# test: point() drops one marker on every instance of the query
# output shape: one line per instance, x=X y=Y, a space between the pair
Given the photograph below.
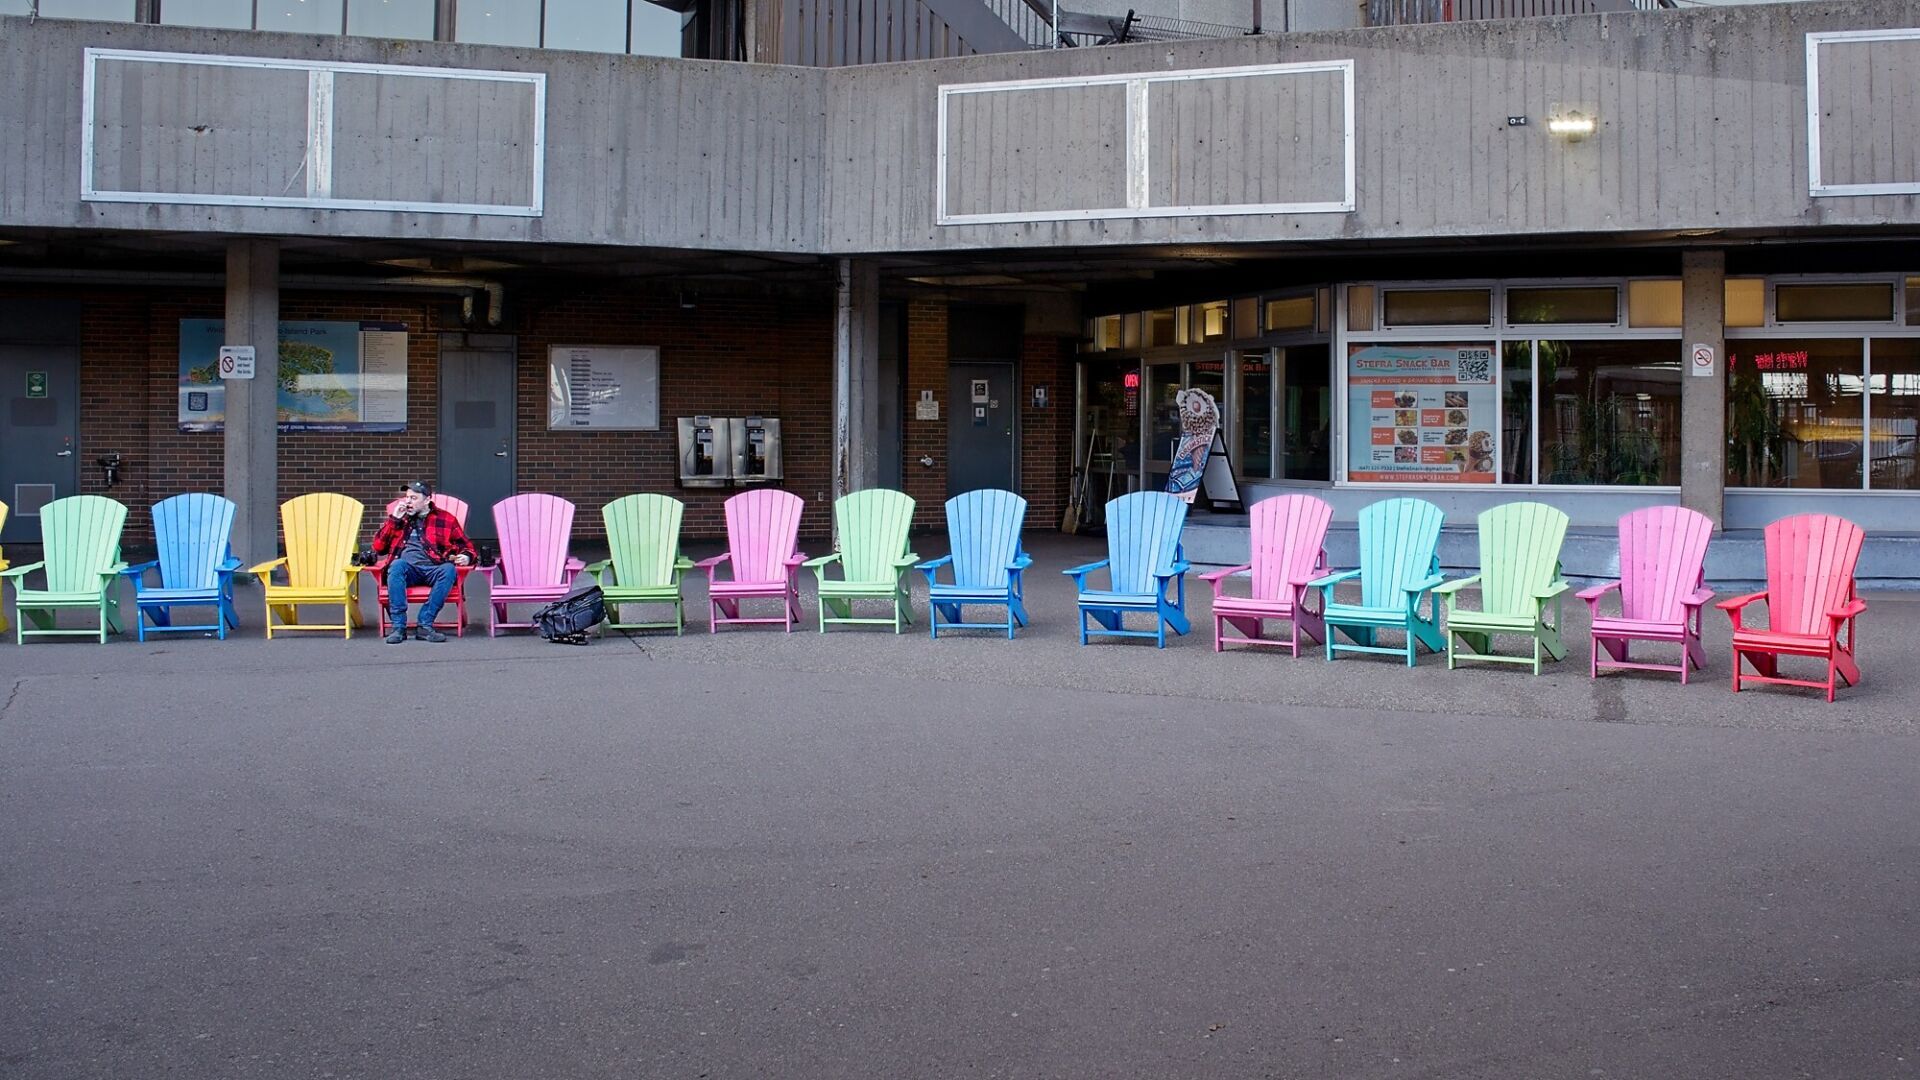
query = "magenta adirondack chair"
x=1811 y=606
x=1662 y=587
x=763 y=530
x=534 y=566
x=1289 y=535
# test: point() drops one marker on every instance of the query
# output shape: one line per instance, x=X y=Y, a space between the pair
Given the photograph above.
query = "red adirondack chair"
x=1288 y=536
x=417 y=594
x=1662 y=587
x=1811 y=606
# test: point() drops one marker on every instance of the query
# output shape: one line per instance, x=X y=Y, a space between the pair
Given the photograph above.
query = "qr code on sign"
x=1474 y=366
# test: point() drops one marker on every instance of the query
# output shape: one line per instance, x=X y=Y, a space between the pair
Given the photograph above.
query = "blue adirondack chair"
x=196 y=565
x=1146 y=569
x=983 y=529
x=1399 y=568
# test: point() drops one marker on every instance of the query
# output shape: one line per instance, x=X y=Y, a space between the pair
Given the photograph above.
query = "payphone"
x=756 y=449
x=706 y=455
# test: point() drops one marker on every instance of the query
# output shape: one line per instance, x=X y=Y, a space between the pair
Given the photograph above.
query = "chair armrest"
x=1083 y=571
x=486 y=572
x=709 y=564
x=1215 y=577
x=266 y=568
x=905 y=562
x=139 y=570
x=228 y=565
x=595 y=568
x=1430 y=583
x=1558 y=588
x=935 y=564
x=796 y=560
x=113 y=571
x=1697 y=598
x=816 y=565
x=574 y=565
x=1021 y=562
x=1848 y=610
x=22 y=571
x=1331 y=580
x=1178 y=569
x=681 y=562
x=1592 y=595
x=1456 y=585
x=1739 y=602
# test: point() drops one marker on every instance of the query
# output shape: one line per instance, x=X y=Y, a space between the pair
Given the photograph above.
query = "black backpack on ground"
x=569 y=618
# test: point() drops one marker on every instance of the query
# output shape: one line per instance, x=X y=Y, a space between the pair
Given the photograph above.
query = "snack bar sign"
x=1422 y=414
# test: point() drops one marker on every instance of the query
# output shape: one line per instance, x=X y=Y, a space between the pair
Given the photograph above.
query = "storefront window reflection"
x=1111 y=428
x=1516 y=413
x=1794 y=413
x=301 y=16
x=1895 y=387
x=220 y=14
x=1609 y=412
x=1307 y=414
x=1255 y=415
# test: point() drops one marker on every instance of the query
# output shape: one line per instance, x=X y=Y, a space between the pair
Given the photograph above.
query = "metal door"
x=40 y=391
x=476 y=423
x=981 y=427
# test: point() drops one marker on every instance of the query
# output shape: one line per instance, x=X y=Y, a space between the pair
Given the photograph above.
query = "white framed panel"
x=315 y=137
x=1875 y=91
x=1147 y=191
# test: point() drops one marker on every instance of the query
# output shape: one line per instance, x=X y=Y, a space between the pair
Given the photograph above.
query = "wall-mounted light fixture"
x=1571 y=125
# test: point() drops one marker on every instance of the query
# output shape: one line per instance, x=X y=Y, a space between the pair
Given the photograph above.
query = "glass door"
x=1306 y=413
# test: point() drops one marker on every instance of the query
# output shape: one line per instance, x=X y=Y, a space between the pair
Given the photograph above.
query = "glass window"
x=1609 y=412
x=1653 y=304
x=1586 y=304
x=1213 y=321
x=1246 y=318
x=1833 y=303
x=587 y=25
x=1516 y=412
x=1746 y=302
x=103 y=10
x=497 y=22
x=1439 y=307
x=408 y=20
x=221 y=14
x=300 y=16
x=1112 y=429
x=1323 y=310
x=1359 y=307
x=1794 y=412
x=1106 y=333
x=1913 y=301
x=1160 y=326
x=1292 y=313
x=656 y=30
x=1130 y=331
x=1306 y=413
x=1895 y=455
x=1255 y=417
x=1163 y=422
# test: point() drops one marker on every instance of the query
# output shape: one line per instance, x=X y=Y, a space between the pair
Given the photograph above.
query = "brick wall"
x=926 y=369
x=1046 y=434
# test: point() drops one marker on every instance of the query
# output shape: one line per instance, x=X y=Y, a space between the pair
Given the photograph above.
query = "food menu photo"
x=1422 y=413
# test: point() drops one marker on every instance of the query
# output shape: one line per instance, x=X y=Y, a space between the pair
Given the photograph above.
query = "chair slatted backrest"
x=763 y=532
x=1810 y=563
x=321 y=531
x=3 y=525
x=1143 y=536
x=1399 y=539
x=1663 y=558
x=643 y=538
x=194 y=534
x=456 y=507
x=80 y=536
x=1287 y=533
x=535 y=531
x=983 y=533
x=873 y=526
x=1520 y=546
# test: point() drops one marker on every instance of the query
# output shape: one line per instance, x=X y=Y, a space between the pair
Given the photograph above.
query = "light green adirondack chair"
x=873 y=558
x=1519 y=575
x=80 y=537
x=643 y=541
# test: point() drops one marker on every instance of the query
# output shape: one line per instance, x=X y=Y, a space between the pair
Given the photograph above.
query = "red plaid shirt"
x=442 y=535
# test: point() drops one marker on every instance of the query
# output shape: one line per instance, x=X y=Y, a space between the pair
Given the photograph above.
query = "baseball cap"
x=420 y=486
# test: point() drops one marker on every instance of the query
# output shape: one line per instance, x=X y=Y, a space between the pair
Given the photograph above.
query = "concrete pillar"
x=1703 y=399
x=252 y=414
x=856 y=377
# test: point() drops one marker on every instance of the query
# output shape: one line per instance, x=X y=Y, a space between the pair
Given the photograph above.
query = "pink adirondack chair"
x=763 y=529
x=1662 y=587
x=1810 y=602
x=417 y=594
x=534 y=566
x=1289 y=535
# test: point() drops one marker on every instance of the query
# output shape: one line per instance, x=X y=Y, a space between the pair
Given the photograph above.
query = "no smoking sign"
x=236 y=361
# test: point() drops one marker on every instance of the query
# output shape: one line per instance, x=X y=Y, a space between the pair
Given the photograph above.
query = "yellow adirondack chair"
x=320 y=531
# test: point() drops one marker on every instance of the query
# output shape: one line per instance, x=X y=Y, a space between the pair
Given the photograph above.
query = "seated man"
x=428 y=543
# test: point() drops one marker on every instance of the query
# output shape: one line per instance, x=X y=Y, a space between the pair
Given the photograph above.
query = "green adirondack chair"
x=644 y=567
x=873 y=558
x=80 y=537
x=1519 y=576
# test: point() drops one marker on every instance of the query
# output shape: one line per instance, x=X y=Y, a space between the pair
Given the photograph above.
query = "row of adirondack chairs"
x=1811 y=601
x=1810 y=597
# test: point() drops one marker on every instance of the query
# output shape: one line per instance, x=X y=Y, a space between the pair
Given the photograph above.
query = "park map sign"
x=333 y=376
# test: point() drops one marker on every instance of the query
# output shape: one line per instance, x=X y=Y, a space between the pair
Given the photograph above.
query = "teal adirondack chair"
x=1519 y=575
x=873 y=558
x=644 y=563
x=80 y=537
x=196 y=566
x=1399 y=568
x=1146 y=569
x=983 y=534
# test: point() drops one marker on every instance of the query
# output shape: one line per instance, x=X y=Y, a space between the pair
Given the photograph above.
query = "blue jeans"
x=401 y=574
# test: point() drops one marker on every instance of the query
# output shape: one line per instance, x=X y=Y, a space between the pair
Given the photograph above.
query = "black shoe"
x=397 y=635
x=430 y=632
